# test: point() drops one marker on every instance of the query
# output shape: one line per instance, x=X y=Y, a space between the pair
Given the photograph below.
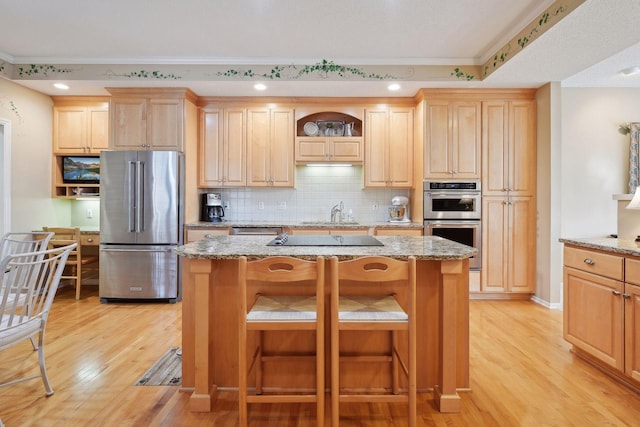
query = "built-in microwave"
x=452 y=200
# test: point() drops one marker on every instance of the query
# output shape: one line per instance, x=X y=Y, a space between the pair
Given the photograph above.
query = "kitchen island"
x=210 y=316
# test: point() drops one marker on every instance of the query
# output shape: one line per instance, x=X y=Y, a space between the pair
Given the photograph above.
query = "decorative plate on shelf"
x=311 y=128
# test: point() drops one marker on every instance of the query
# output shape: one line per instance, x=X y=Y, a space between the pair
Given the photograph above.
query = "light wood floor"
x=522 y=374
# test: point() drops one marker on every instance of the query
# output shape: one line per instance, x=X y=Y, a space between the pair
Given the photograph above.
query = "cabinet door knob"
x=89 y=239
x=616 y=293
x=589 y=261
x=626 y=296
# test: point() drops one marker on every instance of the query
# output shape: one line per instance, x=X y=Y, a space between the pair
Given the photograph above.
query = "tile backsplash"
x=317 y=190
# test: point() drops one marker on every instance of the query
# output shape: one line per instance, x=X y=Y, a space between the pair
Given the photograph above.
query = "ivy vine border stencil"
x=323 y=69
x=41 y=69
x=546 y=20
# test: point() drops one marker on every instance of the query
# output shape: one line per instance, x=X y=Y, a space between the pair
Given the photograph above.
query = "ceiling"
x=588 y=47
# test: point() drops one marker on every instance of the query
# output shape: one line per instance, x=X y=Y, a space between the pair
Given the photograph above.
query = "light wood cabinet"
x=389 y=147
x=452 y=139
x=508 y=244
x=509 y=148
x=632 y=331
x=602 y=309
x=315 y=231
x=149 y=119
x=80 y=125
x=329 y=149
x=222 y=147
x=593 y=304
x=395 y=231
x=270 y=148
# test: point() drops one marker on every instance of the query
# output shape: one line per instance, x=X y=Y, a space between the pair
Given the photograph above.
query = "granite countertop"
x=305 y=224
x=89 y=230
x=611 y=244
x=400 y=247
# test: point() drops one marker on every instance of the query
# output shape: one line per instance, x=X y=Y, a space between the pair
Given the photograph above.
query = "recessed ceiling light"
x=61 y=86
x=631 y=70
x=260 y=86
x=393 y=86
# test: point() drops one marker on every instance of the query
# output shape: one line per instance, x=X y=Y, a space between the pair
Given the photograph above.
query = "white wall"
x=31 y=115
x=594 y=157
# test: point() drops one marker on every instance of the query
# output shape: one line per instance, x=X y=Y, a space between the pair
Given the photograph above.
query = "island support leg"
x=446 y=394
x=205 y=392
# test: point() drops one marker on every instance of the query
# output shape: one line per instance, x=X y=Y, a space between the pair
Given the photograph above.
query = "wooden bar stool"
x=383 y=301
x=276 y=295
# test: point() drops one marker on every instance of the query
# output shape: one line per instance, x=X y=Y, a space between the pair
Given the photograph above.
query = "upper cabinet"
x=151 y=119
x=222 y=147
x=509 y=148
x=270 y=147
x=452 y=139
x=389 y=137
x=80 y=125
x=329 y=136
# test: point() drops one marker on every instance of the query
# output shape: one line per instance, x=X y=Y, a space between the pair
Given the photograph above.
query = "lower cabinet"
x=602 y=309
x=508 y=244
x=398 y=231
x=315 y=231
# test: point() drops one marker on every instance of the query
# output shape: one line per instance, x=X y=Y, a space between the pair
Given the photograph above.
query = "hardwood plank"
x=522 y=374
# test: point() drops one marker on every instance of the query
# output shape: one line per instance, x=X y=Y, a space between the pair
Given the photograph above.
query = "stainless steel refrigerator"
x=141 y=222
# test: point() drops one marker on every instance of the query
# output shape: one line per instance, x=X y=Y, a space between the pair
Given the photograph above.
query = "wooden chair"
x=37 y=275
x=65 y=236
x=301 y=308
x=384 y=301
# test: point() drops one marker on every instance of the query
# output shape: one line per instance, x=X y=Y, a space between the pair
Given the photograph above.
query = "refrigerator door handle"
x=138 y=250
x=131 y=195
x=139 y=197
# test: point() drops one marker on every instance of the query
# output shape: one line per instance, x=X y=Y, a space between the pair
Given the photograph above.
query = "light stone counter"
x=619 y=246
x=305 y=224
x=400 y=247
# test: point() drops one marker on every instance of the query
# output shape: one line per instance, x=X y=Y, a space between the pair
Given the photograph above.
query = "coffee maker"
x=398 y=212
x=211 y=207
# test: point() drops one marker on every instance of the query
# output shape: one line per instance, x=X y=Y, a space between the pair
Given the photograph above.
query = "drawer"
x=632 y=271
x=603 y=264
x=199 y=234
x=90 y=239
x=398 y=232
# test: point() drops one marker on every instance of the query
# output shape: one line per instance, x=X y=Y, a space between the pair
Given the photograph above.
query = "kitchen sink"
x=329 y=223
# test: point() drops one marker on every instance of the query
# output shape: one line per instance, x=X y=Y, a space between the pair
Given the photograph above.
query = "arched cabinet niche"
x=329 y=136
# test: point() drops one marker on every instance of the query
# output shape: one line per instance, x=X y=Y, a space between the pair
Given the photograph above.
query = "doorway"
x=5 y=175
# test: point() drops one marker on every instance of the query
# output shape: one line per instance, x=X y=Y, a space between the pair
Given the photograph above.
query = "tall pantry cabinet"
x=508 y=196
x=490 y=135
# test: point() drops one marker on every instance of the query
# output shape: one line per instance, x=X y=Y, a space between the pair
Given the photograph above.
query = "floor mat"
x=166 y=371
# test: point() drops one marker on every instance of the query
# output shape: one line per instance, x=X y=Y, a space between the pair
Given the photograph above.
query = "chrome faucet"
x=336 y=211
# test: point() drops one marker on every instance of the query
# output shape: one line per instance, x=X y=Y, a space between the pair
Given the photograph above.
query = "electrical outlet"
x=261 y=206
x=226 y=205
x=89 y=213
x=282 y=206
x=374 y=207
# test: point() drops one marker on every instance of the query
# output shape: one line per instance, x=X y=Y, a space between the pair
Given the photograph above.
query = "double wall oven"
x=453 y=210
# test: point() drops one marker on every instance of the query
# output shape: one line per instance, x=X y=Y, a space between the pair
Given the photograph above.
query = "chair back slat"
x=35 y=276
x=16 y=243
